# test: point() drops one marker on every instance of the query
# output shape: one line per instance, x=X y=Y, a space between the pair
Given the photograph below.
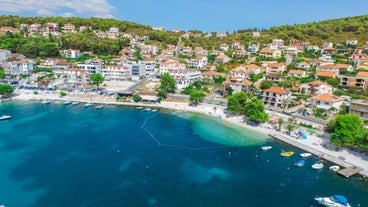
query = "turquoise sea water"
x=55 y=155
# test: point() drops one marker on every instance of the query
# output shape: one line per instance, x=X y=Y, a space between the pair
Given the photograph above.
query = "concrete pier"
x=349 y=170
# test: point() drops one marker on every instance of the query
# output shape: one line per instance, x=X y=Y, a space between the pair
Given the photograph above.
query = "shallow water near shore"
x=57 y=155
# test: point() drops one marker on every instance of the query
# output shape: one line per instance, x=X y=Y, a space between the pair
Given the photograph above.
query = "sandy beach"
x=319 y=146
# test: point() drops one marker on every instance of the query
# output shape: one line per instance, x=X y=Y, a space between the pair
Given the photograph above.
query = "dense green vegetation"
x=347 y=130
x=97 y=79
x=6 y=89
x=252 y=107
x=168 y=83
x=335 y=30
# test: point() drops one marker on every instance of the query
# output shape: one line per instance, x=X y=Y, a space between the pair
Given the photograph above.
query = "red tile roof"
x=325 y=74
x=277 y=90
x=327 y=98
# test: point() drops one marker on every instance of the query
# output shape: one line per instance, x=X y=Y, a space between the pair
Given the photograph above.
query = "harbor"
x=349 y=170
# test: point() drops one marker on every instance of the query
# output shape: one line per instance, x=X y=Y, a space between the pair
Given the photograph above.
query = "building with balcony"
x=316 y=88
x=116 y=73
x=75 y=76
x=360 y=108
x=276 y=97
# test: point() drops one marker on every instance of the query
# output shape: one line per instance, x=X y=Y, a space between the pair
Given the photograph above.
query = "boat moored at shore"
x=287 y=154
x=318 y=165
x=265 y=148
x=305 y=155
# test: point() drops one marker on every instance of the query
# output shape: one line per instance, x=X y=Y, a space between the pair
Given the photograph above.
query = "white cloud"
x=67 y=14
x=44 y=12
x=96 y=8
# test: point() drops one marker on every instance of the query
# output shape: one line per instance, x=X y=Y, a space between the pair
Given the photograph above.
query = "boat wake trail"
x=176 y=146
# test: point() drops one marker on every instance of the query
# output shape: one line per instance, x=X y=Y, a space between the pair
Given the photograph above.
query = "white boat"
x=99 y=107
x=318 y=165
x=154 y=110
x=75 y=103
x=304 y=155
x=5 y=117
x=333 y=201
x=88 y=104
x=46 y=102
x=334 y=168
x=147 y=109
x=265 y=148
x=139 y=107
x=67 y=102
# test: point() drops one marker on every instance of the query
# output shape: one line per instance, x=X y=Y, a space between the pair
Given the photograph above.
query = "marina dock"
x=349 y=169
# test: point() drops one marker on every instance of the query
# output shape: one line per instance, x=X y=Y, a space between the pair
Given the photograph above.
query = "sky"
x=204 y=15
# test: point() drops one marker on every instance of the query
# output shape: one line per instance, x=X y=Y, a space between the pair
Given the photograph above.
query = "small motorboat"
x=147 y=109
x=67 y=102
x=5 y=117
x=299 y=163
x=139 y=107
x=89 y=104
x=287 y=154
x=318 y=165
x=334 y=168
x=99 y=107
x=154 y=110
x=305 y=155
x=75 y=103
x=46 y=102
x=333 y=201
x=265 y=148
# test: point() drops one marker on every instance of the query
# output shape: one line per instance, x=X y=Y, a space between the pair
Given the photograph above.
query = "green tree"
x=2 y=74
x=255 y=110
x=196 y=96
x=290 y=128
x=168 y=83
x=6 y=89
x=236 y=103
x=97 y=79
x=162 y=93
x=266 y=84
x=136 y=98
x=347 y=130
x=280 y=122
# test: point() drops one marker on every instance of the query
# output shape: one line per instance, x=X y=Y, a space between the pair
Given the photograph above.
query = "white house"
x=150 y=66
x=20 y=67
x=171 y=65
x=71 y=53
x=4 y=54
x=116 y=73
x=303 y=65
x=184 y=77
x=253 y=48
x=275 y=97
x=316 y=88
x=75 y=76
x=297 y=73
x=275 y=68
x=326 y=101
x=199 y=62
x=91 y=66
x=238 y=84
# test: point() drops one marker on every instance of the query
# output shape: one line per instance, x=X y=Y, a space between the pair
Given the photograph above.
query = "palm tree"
x=280 y=122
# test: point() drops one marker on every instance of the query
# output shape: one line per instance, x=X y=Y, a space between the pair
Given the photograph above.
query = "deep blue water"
x=55 y=155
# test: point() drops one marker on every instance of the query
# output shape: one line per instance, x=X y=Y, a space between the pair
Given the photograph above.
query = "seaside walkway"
x=350 y=169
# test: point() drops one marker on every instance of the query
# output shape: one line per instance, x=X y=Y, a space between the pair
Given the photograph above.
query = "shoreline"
x=313 y=144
